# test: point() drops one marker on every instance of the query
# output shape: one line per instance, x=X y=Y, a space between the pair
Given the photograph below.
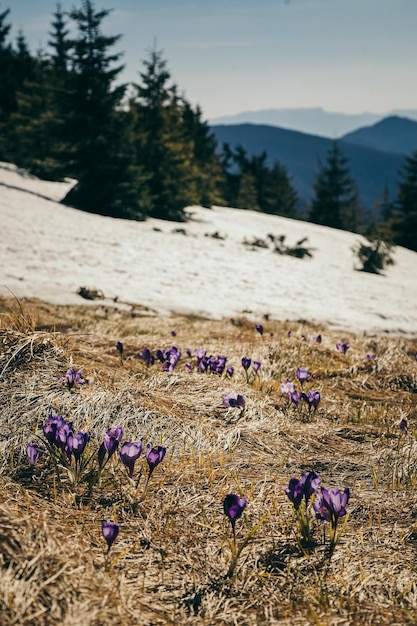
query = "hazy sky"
x=230 y=56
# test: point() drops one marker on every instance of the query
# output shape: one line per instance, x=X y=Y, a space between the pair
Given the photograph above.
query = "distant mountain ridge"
x=393 y=134
x=301 y=154
x=313 y=121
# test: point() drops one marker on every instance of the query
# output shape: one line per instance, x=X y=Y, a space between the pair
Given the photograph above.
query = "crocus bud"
x=233 y=507
x=34 y=452
x=246 y=361
x=260 y=329
x=154 y=456
x=119 y=347
x=110 y=530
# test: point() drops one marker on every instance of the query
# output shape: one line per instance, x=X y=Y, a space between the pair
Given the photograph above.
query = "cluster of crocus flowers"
x=72 y=378
x=59 y=433
x=65 y=446
x=208 y=363
x=328 y=505
x=311 y=398
x=169 y=358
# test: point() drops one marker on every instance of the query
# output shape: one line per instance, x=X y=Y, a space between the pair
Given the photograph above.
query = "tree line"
x=142 y=149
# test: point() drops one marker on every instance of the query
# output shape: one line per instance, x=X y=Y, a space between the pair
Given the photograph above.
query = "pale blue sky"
x=230 y=56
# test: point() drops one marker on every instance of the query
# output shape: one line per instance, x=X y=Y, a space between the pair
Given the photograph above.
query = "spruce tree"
x=335 y=202
x=209 y=173
x=279 y=196
x=164 y=148
x=404 y=219
x=7 y=85
x=100 y=156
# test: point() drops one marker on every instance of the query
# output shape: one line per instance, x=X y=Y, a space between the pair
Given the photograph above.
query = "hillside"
x=301 y=154
x=133 y=490
x=392 y=134
x=201 y=267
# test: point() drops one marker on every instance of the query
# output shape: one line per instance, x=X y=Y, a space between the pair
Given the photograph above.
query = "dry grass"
x=169 y=562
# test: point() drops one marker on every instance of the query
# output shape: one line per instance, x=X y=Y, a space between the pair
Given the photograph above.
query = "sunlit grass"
x=173 y=553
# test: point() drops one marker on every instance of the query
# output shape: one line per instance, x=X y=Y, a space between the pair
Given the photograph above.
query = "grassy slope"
x=169 y=561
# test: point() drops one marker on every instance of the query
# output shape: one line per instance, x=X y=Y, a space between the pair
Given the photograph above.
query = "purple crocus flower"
x=294 y=491
x=342 y=347
x=112 y=438
x=154 y=456
x=171 y=358
x=370 y=356
x=72 y=377
x=174 y=333
x=129 y=454
x=233 y=507
x=110 y=530
x=295 y=397
x=403 y=425
x=256 y=366
x=317 y=339
x=287 y=387
x=119 y=347
x=302 y=488
x=260 y=329
x=189 y=367
x=330 y=505
x=230 y=371
x=234 y=400
x=200 y=353
x=303 y=375
x=246 y=361
x=312 y=398
x=53 y=423
x=77 y=443
x=147 y=356
x=34 y=452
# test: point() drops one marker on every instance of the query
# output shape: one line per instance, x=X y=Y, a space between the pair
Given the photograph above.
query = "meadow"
x=174 y=559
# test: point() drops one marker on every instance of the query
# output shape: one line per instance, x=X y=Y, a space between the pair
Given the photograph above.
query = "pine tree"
x=164 y=149
x=247 y=197
x=335 y=202
x=100 y=156
x=7 y=85
x=7 y=67
x=209 y=173
x=279 y=196
x=404 y=219
x=59 y=43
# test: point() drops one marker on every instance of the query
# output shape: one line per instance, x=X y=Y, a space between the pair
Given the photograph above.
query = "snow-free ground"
x=200 y=267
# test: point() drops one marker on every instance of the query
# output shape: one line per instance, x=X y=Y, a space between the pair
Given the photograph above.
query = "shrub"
x=374 y=256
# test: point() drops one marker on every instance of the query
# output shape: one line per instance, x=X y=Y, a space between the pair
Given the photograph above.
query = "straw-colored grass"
x=169 y=562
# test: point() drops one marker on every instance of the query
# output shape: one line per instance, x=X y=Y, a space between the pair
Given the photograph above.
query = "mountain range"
x=315 y=121
x=375 y=153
